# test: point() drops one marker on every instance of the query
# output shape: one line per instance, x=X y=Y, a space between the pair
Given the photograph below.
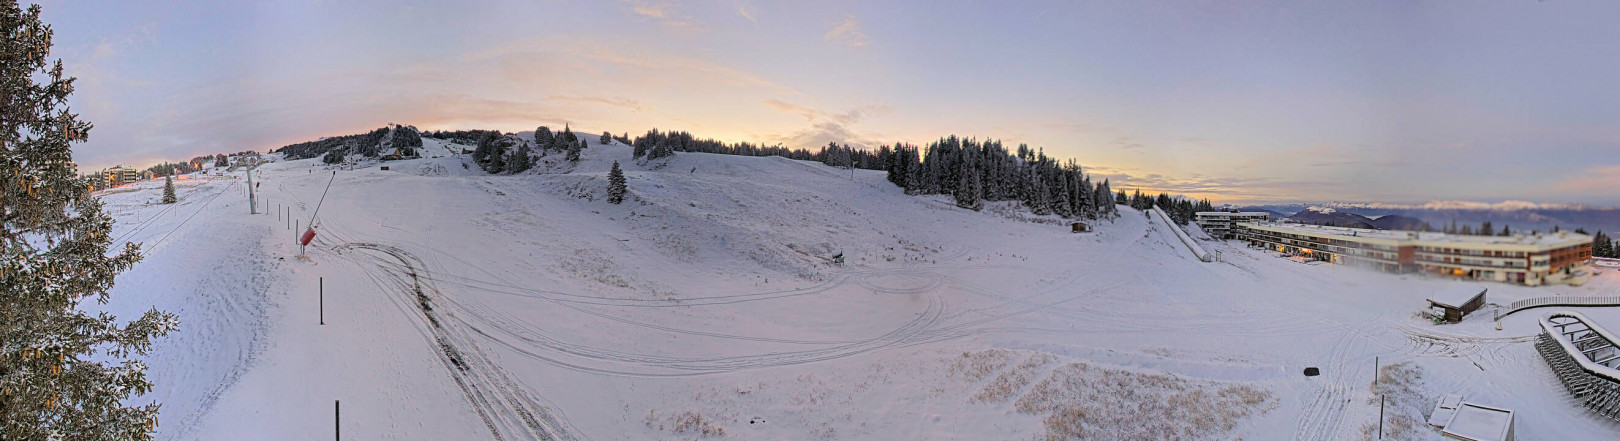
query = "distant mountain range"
x=1519 y=215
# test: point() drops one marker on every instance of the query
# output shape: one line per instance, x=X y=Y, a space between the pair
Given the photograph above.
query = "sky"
x=1239 y=102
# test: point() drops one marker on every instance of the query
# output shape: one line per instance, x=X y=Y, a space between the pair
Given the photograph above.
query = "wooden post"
x=337 y=419
x=322 y=282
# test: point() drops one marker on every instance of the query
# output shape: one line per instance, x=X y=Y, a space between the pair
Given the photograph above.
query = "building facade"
x=1541 y=259
x=1220 y=224
x=121 y=175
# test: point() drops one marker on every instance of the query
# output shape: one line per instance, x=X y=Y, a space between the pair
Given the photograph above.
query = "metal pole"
x=1380 y=399
x=323 y=199
x=322 y=282
x=337 y=419
x=253 y=206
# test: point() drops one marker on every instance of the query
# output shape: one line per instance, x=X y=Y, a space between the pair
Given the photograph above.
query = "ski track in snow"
x=508 y=410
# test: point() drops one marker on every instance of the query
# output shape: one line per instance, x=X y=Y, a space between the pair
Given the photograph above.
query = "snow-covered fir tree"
x=573 y=151
x=168 y=191
x=520 y=160
x=542 y=137
x=607 y=138
x=64 y=373
x=616 y=184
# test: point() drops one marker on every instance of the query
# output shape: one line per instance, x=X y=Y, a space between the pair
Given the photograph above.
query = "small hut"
x=1080 y=227
x=1452 y=304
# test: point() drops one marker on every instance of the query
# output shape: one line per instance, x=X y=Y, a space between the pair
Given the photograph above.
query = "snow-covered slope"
x=459 y=305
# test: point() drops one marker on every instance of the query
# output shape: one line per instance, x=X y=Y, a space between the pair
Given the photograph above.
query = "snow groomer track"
x=1581 y=353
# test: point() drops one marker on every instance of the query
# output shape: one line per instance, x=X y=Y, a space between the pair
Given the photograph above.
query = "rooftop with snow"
x=1559 y=239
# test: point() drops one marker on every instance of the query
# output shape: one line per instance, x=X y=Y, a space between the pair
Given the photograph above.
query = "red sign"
x=308 y=236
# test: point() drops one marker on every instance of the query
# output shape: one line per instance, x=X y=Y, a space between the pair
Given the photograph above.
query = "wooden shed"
x=1080 y=227
x=1454 y=303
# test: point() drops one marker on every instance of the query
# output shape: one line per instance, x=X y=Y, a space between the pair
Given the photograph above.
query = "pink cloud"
x=1603 y=178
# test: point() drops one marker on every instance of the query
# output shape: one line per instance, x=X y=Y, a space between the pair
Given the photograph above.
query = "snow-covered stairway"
x=1579 y=353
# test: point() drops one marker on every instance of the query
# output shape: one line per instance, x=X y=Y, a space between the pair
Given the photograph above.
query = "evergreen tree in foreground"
x=168 y=191
x=616 y=185
x=64 y=373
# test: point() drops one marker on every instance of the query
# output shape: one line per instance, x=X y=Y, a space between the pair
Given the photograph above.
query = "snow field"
x=461 y=305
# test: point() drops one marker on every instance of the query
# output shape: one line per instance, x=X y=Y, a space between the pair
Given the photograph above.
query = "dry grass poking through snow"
x=1404 y=402
x=975 y=366
x=688 y=422
x=1013 y=381
x=1092 y=403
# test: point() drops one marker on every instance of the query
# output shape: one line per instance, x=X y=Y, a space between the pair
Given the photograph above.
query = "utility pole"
x=253 y=206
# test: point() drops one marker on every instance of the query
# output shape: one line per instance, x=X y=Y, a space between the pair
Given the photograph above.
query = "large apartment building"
x=1220 y=224
x=120 y=175
x=1538 y=259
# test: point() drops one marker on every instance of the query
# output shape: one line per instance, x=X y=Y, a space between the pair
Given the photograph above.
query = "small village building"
x=1080 y=227
x=1450 y=305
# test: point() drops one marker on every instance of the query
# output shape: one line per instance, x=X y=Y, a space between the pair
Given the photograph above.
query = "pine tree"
x=969 y=190
x=573 y=152
x=222 y=161
x=1037 y=203
x=607 y=138
x=520 y=160
x=1602 y=246
x=64 y=372
x=168 y=191
x=543 y=138
x=616 y=184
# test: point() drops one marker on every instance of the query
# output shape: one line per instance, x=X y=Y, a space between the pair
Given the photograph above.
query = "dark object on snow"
x=1312 y=371
x=1080 y=227
x=385 y=168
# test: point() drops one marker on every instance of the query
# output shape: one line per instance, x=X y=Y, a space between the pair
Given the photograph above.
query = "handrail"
x=1586 y=364
x=1537 y=302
